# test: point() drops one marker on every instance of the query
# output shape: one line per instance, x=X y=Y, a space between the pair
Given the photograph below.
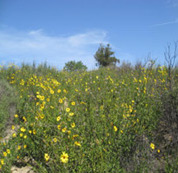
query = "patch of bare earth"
x=25 y=169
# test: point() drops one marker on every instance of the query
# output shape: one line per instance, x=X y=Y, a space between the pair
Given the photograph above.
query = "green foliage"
x=8 y=99
x=104 y=120
x=75 y=66
x=104 y=56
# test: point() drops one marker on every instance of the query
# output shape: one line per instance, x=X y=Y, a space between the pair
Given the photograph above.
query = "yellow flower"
x=19 y=147
x=71 y=114
x=24 y=119
x=115 y=128
x=52 y=107
x=77 y=143
x=55 y=140
x=59 y=126
x=8 y=151
x=16 y=116
x=2 y=161
x=64 y=130
x=4 y=154
x=42 y=116
x=152 y=146
x=60 y=101
x=58 y=118
x=64 y=90
x=34 y=131
x=42 y=98
x=73 y=125
x=46 y=156
x=158 y=151
x=13 y=127
x=67 y=109
x=73 y=103
x=14 y=135
x=58 y=90
x=22 y=129
x=64 y=157
x=25 y=146
x=74 y=136
x=51 y=91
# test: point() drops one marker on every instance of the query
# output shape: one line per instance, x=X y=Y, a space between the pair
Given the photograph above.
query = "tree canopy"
x=105 y=57
x=75 y=66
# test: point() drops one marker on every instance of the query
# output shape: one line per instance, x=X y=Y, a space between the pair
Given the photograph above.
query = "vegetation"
x=107 y=120
x=75 y=66
x=8 y=99
x=104 y=57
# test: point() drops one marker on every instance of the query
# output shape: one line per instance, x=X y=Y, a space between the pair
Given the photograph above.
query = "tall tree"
x=104 y=56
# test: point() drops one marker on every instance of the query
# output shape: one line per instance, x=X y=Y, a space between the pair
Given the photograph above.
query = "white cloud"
x=36 y=45
x=166 y=23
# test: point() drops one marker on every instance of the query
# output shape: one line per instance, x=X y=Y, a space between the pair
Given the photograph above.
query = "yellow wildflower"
x=73 y=125
x=58 y=118
x=73 y=103
x=77 y=143
x=2 y=161
x=46 y=156
x=24 y=119
x=64 y=157
x=115 y=128
x=16 y=116
x=152 y=146
x=60 y=101
x=34 y=131
x=67 y=109
x=22 y=129
x=4 y=154
x=55 y=140
x=64 y=90
x=64 y=130
x=59 y=126
x=8 y=151
x=14 y=135
x=71 y=113
x=58 y=90
x=51 y=91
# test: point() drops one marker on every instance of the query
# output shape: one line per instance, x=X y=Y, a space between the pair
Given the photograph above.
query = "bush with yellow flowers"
x=96 y=121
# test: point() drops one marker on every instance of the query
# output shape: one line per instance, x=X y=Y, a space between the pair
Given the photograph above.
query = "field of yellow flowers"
x=104 y=120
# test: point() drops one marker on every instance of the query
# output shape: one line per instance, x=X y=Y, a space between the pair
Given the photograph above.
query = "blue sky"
x=58 y=31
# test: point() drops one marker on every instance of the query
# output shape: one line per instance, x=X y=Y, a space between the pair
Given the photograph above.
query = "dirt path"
x=25 y=169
